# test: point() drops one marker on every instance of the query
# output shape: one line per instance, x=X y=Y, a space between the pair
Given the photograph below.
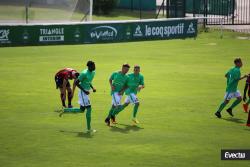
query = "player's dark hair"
x=90 y=63
x=126 y=65
x=77 y=74
x=237 y=60
x=137 y=66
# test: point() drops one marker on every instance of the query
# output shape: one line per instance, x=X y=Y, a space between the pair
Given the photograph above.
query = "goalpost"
x=90 y=10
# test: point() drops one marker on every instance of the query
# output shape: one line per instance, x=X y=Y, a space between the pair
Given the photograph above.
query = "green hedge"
x=135 y=4
x=104 y=6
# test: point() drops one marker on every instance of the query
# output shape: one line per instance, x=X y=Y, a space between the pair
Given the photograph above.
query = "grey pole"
x=140 y=10
x=27 y=11
x=131 y=5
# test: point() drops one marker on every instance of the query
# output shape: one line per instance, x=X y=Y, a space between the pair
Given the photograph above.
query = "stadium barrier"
x=97 y=32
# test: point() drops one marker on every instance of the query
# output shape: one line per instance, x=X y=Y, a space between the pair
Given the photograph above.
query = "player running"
x=62 y=78
x=118 y=83
x=84 y=83
x=135 y=84
x=233 y=77
x=246 y=90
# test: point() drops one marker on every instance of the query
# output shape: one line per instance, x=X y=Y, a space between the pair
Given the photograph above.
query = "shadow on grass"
x=235 y=120
x=85 y=135
x=126 y=128
x=79 y=134
x=247 y=128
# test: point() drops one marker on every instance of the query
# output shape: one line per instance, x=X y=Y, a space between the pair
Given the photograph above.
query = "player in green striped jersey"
x=118 y=83
x=84 y=83
x=135 y=84
x=233 y=77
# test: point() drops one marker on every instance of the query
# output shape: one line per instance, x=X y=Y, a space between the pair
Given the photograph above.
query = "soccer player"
x=62 y=78
x=246 y=90
x=135 y=84
x=233 y=77
x=248 y=121
x=84 y=83
x=247 y=102
x=118 y=83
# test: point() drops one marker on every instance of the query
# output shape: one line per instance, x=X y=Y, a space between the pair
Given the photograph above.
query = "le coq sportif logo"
x=4 y=34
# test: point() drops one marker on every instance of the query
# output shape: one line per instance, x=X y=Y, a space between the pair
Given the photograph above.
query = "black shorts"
x=59 y=82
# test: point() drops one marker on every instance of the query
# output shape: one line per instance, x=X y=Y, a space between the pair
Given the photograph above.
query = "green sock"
x=221 y=107
x=115 y=110
x=120 y=108
x=135 y=110
x=72 y=110
x=235 y=103
x=110 y=112
x=88 y=118
x=248 y=102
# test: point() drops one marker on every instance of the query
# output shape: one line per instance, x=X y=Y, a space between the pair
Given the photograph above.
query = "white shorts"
x=83 y=99
x=131 y=98
x=229 y=96
x=116 y=99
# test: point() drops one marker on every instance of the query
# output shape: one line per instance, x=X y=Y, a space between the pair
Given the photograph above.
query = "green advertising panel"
x=125 y=31
x=40 y=35
x=98 y=33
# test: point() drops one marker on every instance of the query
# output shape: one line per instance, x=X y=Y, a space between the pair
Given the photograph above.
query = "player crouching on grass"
x=248 y=121
x=233 y=77
x=62 y=78
x=245 y=106
x=135 y=84
x=247 y=89
x=118 y=83
x=84 y=83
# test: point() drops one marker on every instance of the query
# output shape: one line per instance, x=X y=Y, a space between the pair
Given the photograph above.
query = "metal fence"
x=231 y=12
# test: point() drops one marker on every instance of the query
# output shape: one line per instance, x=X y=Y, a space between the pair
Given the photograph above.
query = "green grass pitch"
x=184 y=85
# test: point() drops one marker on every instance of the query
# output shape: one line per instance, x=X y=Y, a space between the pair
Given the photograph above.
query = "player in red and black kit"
x=62 y=78
x=247 y=102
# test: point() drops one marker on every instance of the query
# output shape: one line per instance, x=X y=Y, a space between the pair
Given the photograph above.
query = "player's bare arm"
x=94 y=89
x=140 y=87
x=238 y=79
x=123 y=89
x=245 y=76
x=111 y=85
x=77 y=82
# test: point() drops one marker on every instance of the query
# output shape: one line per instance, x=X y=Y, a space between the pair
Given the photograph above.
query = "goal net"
x=45 y=11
